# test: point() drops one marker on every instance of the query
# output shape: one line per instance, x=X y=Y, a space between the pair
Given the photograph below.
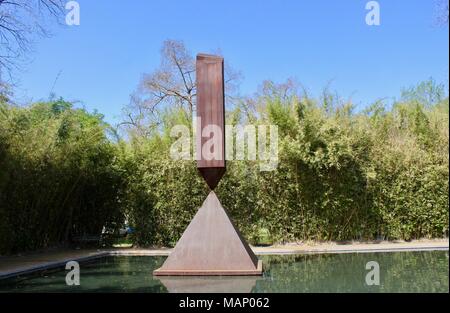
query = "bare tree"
x=441 y=12
x=19 y=21
x=172 y=85
x=174 y=82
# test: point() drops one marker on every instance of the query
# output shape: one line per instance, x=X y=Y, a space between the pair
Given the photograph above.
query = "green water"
x=399 y=272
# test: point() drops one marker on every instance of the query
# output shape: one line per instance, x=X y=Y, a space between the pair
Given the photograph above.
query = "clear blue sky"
x=101 y=61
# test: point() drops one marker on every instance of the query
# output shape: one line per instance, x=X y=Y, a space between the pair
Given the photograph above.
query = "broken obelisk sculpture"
x=211 y=245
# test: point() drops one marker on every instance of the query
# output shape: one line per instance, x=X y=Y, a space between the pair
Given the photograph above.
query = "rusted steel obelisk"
x=211 y=245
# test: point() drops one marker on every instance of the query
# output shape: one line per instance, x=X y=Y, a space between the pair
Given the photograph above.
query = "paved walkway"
x=28 y=263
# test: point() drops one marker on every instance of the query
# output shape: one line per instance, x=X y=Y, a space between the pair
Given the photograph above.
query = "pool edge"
x=274 y=251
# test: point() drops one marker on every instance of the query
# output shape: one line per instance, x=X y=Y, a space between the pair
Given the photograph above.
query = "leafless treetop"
x=19 y=21
x=171 y=85
x=441 y=12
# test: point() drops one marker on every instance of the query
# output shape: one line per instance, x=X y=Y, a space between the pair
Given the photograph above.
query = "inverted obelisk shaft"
x=211 y=118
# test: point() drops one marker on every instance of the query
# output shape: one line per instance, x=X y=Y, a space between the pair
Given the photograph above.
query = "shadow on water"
x=399 y=272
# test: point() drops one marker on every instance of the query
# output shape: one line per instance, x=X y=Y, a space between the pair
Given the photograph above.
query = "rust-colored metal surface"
x=211 y=246
x=211 y=113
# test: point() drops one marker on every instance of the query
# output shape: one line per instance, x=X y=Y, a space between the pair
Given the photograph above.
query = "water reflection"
x=399 y=272
x=209 y=284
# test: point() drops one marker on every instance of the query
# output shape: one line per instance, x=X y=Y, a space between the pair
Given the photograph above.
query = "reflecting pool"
x=398 y=272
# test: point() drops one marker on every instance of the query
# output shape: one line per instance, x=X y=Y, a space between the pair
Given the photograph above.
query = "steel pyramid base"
x=211 y=246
